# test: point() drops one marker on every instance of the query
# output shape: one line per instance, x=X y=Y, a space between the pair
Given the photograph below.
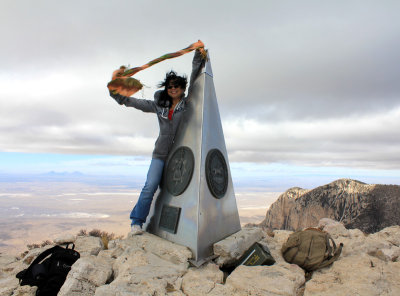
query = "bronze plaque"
x=216 y=173
x=169 y=218
x=179 y=170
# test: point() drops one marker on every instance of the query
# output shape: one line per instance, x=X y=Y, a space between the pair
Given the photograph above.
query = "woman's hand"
x=123 y=85
x=118 y=73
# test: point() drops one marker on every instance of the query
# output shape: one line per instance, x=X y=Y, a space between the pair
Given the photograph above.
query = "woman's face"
x=175 y=91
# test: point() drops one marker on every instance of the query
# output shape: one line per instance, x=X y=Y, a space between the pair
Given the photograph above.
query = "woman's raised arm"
x=200 y=56
x=144 y=105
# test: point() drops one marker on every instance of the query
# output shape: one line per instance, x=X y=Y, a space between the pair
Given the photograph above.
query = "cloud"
x=317 y=80
x=366 y=141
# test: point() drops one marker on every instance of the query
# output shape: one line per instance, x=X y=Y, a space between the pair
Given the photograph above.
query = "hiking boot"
x=136 y=230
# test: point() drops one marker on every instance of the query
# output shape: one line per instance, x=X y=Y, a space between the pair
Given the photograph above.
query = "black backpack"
x=49 y=270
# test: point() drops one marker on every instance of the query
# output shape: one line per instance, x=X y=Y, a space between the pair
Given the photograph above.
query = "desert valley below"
x=32 y=212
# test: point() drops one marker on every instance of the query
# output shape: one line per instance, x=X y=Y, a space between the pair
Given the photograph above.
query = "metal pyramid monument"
x=196 y=206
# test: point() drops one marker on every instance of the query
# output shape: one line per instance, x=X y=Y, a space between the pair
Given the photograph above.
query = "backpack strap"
x=24 y=273
x=73 y=246
x=45 y=254
x=333 y=258
x=329 y=239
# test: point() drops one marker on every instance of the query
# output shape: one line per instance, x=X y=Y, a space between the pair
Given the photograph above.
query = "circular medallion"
x=179 y=170
x=216 y=173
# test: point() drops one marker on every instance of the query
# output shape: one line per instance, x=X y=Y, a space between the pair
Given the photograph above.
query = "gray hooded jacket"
x=168 y=127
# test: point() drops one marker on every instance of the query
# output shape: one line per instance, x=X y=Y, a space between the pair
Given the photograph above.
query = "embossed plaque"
x=180 y=170
x=216 y=173
x=169 y=218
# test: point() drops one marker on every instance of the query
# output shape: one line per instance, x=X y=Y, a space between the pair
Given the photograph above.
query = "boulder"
x=200 y=281
x=150 y=243
x=275 y=242
x=6 y=259
x=65 y=238
x=232 y=248
x=88 y=245
x=8 y=264
x=356 y=275
x=25 y=291
x=113 y=243
x=13 y=268
x=278 y=279
x=86 y=275
x=149 y=265
x=390 y=234
x=156 y=287
x=334 y=228
x=8 y=285
x=32 y=254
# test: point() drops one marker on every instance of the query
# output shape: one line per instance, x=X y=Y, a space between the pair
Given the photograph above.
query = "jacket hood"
x=157 y=95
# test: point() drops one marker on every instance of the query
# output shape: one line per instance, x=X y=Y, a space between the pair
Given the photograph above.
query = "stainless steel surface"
x=207 y=68
x=204 y=219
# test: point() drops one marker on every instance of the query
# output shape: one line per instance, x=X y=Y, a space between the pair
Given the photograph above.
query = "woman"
x=168 y=105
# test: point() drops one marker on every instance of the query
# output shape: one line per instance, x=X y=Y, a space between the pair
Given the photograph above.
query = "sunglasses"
x=173 y=86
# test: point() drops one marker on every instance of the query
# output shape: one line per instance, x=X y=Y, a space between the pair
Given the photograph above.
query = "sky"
x=307 y=90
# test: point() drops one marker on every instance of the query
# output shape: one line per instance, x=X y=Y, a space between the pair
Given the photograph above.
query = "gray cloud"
x=313 y=83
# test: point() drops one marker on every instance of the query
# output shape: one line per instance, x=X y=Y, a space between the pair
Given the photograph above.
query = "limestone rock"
x=88 y=245
x=25 y=291
x=334 y=228
x=85 y=276
x=13 y=268
x=77 y=287
x=390 y=234
x=148 y=265
x=369 y=208
x=280 y=236
x=275 y=242
x=107 y=255
x=356 y=275
x=8 y=285
x=8 y=264
x=156 y=287
x=225 y=290
x=140 y=265
x=113 y=243
x=32 y=254
x=6 y=259
x=233 y=247
x=166 y=250
x=65 y=238
x=265 y=280
x=200 y=281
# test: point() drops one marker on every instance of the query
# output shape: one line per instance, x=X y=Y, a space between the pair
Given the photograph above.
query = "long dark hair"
x=171 y=77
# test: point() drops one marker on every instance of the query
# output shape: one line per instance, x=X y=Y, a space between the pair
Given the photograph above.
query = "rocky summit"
x=369 y=208
x=149 y=265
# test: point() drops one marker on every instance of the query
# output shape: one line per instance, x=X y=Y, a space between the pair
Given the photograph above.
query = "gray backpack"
x=311 y=249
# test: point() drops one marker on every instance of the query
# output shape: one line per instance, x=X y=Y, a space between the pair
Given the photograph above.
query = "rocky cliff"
x=369 y=208
x=149 y=265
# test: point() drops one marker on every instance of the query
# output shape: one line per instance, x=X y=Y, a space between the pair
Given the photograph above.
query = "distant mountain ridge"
x=369 y=208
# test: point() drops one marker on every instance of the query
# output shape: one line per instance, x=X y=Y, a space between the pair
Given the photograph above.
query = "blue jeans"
x=142 y=207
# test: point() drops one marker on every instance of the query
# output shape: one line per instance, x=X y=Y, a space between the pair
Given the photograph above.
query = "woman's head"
x=171 y=78
x=174 y=88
